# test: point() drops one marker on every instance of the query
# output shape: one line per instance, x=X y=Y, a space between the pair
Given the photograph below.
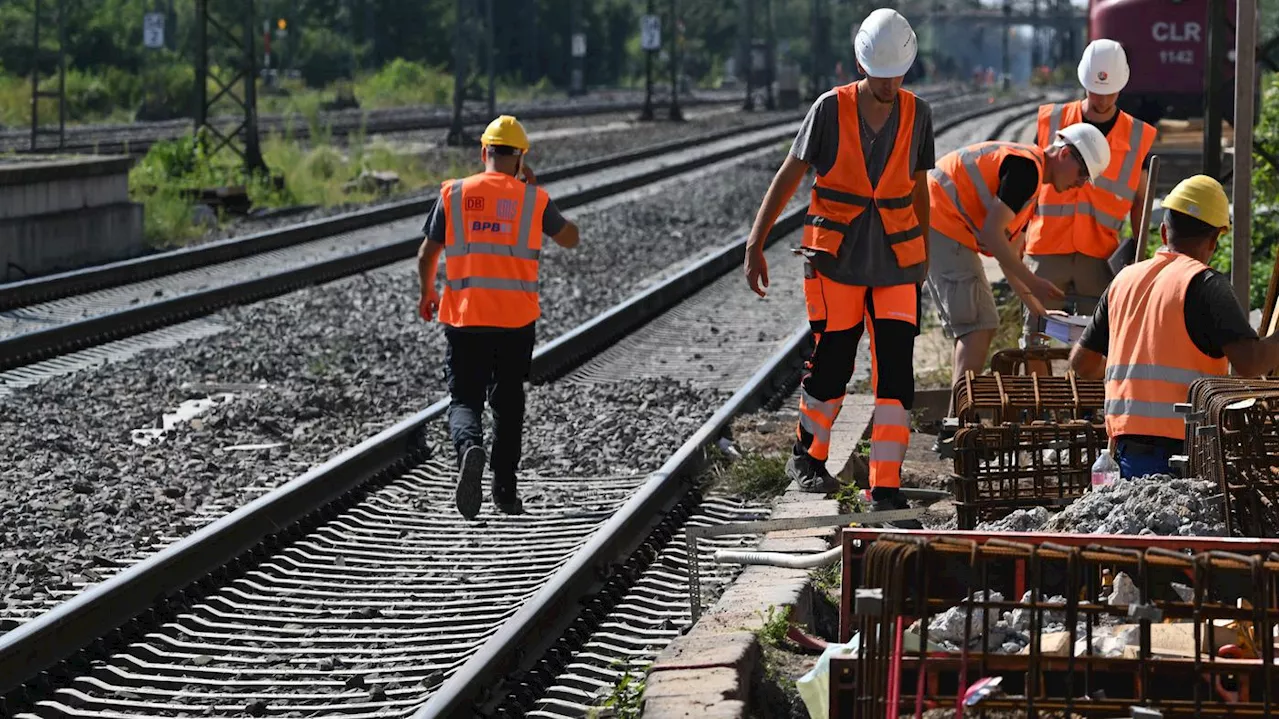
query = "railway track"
x=136 y=138
x=298 y=257
x=77 y=312
x=264 y=603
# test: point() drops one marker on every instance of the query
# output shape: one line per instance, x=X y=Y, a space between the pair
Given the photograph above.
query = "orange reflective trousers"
x=838 y=314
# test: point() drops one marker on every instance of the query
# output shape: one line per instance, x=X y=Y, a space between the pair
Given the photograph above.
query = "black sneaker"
x=469 y=495
x=811 y=474
x=892 y=499
x=505 y=497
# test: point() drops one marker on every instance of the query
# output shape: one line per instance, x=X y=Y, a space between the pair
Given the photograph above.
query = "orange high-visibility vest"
x=1087 y=219
x=963 y=184
x=841 y=195
x=493 y=237
x=1151 y=360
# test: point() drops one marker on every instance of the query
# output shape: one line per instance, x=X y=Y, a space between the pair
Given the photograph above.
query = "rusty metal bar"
x=1215 y=656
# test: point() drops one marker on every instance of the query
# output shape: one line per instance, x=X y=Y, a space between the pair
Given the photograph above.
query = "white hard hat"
x=1103 y=69
x=1091 y=144
x=885 y=44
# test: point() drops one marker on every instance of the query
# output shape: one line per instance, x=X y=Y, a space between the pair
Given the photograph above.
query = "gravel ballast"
x=313 y=372
x=1152 y=505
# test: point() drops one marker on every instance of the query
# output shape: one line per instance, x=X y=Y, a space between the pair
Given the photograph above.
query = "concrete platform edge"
x=708 y=672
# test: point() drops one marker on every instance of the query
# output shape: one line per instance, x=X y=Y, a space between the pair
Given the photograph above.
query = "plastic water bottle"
x=1105 y=471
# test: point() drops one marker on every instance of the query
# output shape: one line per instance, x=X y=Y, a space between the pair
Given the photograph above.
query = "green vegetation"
x=318 y=173
x=753 y=476
x=625 y=699
x=827 y=579
x=774 y=630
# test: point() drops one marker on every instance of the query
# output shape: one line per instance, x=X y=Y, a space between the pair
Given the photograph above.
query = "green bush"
x=402 y=82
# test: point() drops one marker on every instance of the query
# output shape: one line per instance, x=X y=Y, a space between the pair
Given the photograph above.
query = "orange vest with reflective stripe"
x=963 y=184
x=1087 y=219
x=845 y=192
x=493 y=236
x=1151 y=360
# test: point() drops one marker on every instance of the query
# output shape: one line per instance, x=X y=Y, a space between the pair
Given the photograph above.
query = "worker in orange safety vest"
x=489 y=227
x=870 y=143
x=1165 y=323
x=982 y=197
x=1073 y=233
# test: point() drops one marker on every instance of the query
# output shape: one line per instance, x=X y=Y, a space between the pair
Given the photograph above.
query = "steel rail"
x=22 y=349
x=39 y=654
x=341 y=124
x=64 y=284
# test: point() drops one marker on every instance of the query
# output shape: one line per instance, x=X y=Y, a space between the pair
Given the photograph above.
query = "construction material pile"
x=1151 y=505
x=1009 y=632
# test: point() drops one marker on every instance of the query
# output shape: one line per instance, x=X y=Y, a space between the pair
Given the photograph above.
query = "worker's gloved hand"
x=428 y=304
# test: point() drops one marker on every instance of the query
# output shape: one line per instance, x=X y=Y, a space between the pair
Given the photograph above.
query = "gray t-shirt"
x=865 y=257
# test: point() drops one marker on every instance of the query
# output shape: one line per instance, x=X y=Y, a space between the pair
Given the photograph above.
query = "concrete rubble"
x=1153 y=505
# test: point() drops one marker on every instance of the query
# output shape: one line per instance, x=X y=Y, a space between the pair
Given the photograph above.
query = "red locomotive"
x=1166 y=42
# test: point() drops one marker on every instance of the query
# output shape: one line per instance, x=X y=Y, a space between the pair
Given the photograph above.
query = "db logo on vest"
x=500 y=227
x=475 y=204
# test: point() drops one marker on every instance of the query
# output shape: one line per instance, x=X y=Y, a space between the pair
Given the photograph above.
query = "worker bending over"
x=1165 y=323
x=870 y=143
x=1074 y=232
x=490 y=228
x=983 y=196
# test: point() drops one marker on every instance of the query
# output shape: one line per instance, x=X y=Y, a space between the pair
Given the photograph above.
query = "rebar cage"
x=1001 y=469
x=995 y=399
x=1233 y=440
x=1020 y=361
x=1188 y=629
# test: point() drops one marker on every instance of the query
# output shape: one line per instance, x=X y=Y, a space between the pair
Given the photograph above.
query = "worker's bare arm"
x=428 y=258
x=994 y=238
x=1254 y=357
x=567 y=237
x=780 y=191
x=1087 y=363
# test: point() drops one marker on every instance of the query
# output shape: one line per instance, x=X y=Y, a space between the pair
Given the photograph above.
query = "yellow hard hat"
x=506 y=130
x=1201 y=197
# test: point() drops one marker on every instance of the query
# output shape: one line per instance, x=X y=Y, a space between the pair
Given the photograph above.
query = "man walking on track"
x=870 y=143
x=489 y=227
x=1073 y=233
x=982 y=197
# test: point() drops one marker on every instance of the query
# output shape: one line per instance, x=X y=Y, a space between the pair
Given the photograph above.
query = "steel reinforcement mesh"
x=1232 y=439
x=1136 y=626
x=994 y=399
x=1009 y=467
x=1046 y=361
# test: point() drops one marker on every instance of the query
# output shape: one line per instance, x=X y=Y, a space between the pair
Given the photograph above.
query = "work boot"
x=811 y=474
x=886 y=499
x=505 y=497
x=469 y=493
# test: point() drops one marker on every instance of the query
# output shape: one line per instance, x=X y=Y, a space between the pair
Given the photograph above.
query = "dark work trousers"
x=493 y=362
